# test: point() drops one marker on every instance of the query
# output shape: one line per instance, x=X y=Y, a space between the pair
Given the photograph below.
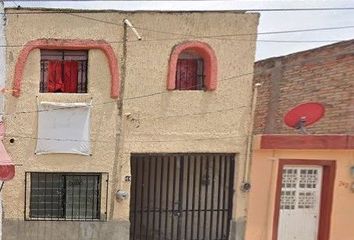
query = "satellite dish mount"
x=300 y=125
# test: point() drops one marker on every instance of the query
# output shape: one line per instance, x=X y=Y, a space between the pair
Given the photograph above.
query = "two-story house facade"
x=119 y=138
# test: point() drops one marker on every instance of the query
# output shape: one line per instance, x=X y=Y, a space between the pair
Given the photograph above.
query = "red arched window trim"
x=67 y=44
x=210 y=63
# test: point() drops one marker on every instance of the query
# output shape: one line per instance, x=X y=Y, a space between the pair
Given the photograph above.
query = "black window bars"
x=81 y=57
x=65 y=196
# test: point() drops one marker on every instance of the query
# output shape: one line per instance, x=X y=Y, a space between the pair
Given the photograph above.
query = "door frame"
x=328 y=178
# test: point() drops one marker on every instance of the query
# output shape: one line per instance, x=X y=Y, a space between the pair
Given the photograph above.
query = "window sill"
x=192 y=90
x=64 y=94
x=65 y=220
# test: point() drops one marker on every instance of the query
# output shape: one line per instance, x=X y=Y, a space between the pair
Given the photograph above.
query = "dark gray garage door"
x=181 y=196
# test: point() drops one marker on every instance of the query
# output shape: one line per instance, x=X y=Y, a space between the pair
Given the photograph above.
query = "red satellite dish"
x=303 y=115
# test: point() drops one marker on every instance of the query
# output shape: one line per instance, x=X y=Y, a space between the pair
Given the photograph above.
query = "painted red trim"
x=351 y=142
x=329 y=170
x=67 y=44
x=307 y=142
x=210 y=63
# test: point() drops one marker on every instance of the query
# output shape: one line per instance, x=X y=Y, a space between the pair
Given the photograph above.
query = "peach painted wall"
x=262 y=196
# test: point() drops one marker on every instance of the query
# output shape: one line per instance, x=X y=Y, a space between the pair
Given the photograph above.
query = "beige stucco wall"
x=262 y=196
x=211 y=121
x=160 y=130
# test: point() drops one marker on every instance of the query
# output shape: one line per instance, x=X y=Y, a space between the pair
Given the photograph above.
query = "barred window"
x=65 y=196
x=192 y=66
x=63 y=71
x=189 y=71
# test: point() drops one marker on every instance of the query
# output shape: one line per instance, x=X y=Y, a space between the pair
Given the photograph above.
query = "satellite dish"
x=304 y=115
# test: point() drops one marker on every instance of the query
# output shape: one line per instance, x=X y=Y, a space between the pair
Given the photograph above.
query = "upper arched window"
x=192 y=66
x=67 y=64
x=189 y=71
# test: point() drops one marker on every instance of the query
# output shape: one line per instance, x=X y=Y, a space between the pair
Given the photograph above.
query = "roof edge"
x=321 y=48
x=72 y=10
x=302 y=142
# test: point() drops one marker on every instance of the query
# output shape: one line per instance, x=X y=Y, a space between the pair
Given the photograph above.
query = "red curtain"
x=70 y=76
x=186 y=74
x=56 y=83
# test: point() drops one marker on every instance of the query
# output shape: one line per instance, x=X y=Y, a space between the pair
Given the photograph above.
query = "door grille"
x=181 y=196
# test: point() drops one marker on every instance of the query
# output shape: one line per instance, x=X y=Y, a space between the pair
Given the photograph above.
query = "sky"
x=269 y=21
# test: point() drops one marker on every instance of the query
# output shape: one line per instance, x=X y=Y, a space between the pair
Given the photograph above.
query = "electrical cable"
x=244 y=74
x=224 y=39
x=167 y=92
x=17 y=5
x=36 y=11
x=227 y=35
x=58 y=108
x=250 y=34
x=220 y=80
x=192 y=114
x=78 y=140
x=218 y=36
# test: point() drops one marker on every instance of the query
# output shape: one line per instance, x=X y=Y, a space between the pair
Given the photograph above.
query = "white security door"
x=300 y=203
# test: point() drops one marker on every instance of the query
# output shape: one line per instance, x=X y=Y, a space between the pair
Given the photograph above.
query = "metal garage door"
x=181 y=196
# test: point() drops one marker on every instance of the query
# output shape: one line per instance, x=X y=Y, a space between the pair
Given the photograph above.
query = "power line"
x=248 y=73
x=221 y=80
x=145 y=118
x=185 y=138
x=301 y=41
x=63 y=11
x=217 y=36
x=102 y=103
x=224 y=35
x=189 y=139
x=58 y=108
x=169 y=140
x=129 y=98
x=305 y=30
x=180 y=115
x=195 y=36
x=244 y=40
x=250 y=34
x=226 y=39
x=17 y=5
x=52 y=139
x=193 y=114
x=167 y=92
x=95 y=19
x=109 y=102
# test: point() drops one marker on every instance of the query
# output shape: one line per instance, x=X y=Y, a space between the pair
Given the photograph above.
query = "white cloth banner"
x=63 y=128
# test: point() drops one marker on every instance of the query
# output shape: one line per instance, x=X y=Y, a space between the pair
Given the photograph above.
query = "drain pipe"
x=2 y=85
x=119 y=144
x=246 y=185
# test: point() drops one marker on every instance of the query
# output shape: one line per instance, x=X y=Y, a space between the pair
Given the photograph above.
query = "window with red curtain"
x=62 y=76
x=189 y=72
x=63 y=71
